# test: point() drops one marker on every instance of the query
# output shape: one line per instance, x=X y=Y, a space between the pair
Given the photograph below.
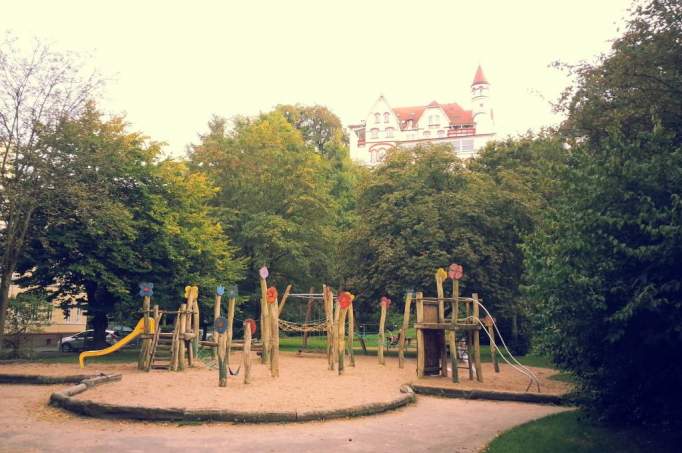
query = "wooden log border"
x=534 y=398
x=65 y=400
x=35 y=379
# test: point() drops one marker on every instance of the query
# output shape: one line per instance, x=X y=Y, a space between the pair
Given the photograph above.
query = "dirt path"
x=433 y=424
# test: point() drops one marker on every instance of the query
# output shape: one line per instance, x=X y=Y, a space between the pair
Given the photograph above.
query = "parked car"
x=81 y=340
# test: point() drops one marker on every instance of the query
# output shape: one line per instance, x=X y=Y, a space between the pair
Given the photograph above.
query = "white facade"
x=386 y=127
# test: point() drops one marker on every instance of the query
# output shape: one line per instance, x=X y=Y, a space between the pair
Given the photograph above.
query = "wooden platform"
x=447 y=326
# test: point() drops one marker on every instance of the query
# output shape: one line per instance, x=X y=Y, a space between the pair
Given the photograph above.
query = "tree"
x=27 y=313
x=36 y=91
x=274 y=200
x=422 y=209
x=140 y=221
x=319 y=127
x=603 y=269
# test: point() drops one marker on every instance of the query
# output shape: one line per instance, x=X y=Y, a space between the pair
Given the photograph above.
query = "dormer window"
x=385 y=117
x=377 y=118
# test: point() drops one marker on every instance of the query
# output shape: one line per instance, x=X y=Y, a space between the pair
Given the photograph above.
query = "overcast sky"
x=174 y=64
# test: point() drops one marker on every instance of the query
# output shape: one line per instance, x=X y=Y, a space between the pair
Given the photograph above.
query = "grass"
x=316 y=343
x=572 y=432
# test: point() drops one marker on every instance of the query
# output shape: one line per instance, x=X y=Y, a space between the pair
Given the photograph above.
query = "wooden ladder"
x=162 y=348
x=162 y=352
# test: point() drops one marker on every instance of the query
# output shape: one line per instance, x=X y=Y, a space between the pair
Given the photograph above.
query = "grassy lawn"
x=571 y=432
x=316 y=343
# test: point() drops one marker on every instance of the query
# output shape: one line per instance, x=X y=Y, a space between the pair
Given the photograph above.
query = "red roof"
x=408 y=113
x=455 y=113
x=479 y=77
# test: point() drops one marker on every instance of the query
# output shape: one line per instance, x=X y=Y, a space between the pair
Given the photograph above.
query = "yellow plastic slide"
x=139 y=329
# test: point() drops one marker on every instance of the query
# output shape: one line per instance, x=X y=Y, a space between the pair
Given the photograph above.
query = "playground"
x=286 y=370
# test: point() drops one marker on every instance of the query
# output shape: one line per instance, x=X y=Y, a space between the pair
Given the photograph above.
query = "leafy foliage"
x=125 y=219
x=422 y=209
x=604 y=270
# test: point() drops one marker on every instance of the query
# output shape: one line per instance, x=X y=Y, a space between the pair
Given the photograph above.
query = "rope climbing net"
x=302 y=327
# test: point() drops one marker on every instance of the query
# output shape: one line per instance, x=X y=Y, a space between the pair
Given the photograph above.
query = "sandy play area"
x=304 y=384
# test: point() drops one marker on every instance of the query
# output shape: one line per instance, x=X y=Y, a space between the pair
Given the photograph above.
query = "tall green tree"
x=603 y=270
x=129 y=220
x=37 y=90
x=422 y=209
x=274 y=199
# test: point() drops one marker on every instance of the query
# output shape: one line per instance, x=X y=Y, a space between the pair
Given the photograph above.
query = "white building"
x=385 y=127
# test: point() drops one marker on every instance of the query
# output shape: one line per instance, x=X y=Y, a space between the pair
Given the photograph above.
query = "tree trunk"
x=4 y=299
x=99 y=323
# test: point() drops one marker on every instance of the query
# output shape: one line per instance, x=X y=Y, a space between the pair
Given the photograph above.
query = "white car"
x=79 y=341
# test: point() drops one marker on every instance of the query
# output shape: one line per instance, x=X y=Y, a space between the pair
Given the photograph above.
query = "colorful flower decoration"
x=263 y=272
x=220 y=325
x=146 y=289
x=455 y=271
x=345 y=299
x=251 y=323
x=385 y=302
x=220 y=290
x=271 y=295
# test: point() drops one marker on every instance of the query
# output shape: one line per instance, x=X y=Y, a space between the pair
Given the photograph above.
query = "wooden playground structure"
x=447 y=331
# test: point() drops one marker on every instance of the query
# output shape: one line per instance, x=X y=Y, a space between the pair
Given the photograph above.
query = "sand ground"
x=27 y=424
x=305 y=383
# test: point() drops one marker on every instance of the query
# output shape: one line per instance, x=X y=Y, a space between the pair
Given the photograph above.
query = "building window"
x=409 y=124
x=389 y=132
x=441 y=133
x=377 y=117
x=385 y=117
x=427 y=133
x=374 y=133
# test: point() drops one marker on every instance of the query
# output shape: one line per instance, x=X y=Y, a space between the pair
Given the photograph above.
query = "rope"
x=527 y=372
x=313 y=326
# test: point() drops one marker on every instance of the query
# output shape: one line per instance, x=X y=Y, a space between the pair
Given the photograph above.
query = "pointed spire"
x=479 y=78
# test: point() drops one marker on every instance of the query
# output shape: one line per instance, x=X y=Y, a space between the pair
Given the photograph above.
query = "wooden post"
x=264 y=321
x=329 y=315
x=246 y=355
x=308 y=315
x=403 y=330
x=477 y=341
x=335 y=329
x=221 y=338
x=382 y=336
x=216 y=315
x=274 y=338
x=284 y=300
x=493 y=347
x=230 y=321
x=146 y=342
x=341 y=335
x=453 y=337
x=181 y=339
x=420 y=335
x=351 y=334
x=195 y=323
x=440 y=277
x=175 y=344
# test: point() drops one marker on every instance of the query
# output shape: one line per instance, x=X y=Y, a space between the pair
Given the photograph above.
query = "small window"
x=389 y=132
x=377 y=117
x=441 y=133
x=409 y=124
x=374 y=133
x=427 y=133
x=385 y=117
